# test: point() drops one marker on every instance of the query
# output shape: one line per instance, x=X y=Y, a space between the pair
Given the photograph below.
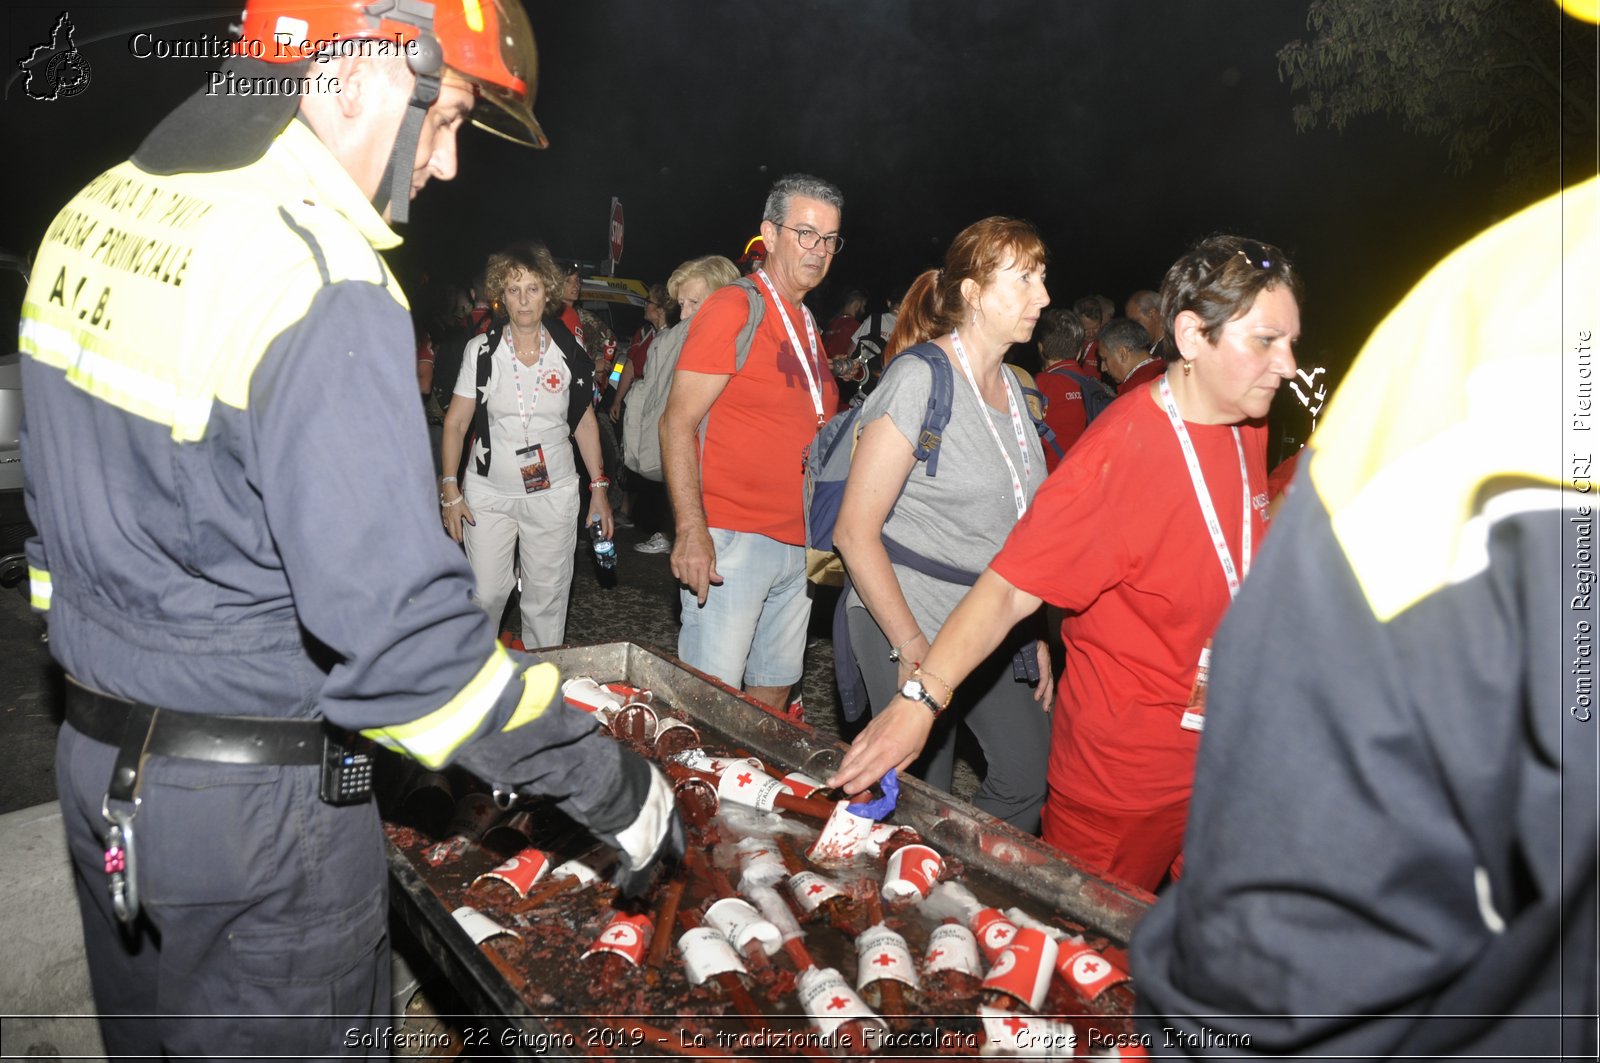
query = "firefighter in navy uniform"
x=239 y=538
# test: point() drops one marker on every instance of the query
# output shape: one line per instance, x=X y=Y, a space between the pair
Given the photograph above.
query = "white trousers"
x=541 y=532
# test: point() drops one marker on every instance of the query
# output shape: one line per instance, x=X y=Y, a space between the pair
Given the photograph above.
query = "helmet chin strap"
x=425 y=57
x=394 y=190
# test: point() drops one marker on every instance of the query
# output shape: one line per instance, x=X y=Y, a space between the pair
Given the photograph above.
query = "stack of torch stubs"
x=793 y=926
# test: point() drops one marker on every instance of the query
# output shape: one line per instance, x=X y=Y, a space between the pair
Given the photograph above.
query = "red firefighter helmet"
x=754 y=251
x=487 y=44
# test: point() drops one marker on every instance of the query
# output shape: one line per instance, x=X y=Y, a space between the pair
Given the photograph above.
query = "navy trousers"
x=264 y=929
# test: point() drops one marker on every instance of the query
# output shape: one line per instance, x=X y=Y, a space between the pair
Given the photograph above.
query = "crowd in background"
x=546 y=422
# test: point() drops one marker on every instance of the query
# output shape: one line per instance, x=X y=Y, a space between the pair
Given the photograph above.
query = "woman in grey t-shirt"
x=987 y=297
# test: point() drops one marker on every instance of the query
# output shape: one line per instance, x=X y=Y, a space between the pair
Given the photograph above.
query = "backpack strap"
x=480 y=414
x=747 y=335
x=1030 y=391
x=941 y=398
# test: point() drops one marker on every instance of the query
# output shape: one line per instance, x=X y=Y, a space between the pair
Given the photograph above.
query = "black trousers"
x=265 y=911
x=652 y=512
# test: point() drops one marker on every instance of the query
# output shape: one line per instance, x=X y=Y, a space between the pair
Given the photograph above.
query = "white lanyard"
x=1203 y=494
x=526 y=414
x=813 y=371
x=1018 y=496
x=1138 y=367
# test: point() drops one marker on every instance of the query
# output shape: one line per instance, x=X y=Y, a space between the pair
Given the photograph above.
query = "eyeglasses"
x=809 y=238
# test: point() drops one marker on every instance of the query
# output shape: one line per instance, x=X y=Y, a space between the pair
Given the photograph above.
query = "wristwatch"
x=915 y=691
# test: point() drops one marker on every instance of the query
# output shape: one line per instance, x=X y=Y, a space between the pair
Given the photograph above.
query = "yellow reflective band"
x=539 y=685
x=39 y=588
x=432 y=739
x=112 y=380
x=474 y=15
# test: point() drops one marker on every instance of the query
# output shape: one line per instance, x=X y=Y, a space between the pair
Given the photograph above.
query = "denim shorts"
x=752 y=629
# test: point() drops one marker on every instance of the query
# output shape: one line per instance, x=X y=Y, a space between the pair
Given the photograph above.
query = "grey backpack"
x=647 y=398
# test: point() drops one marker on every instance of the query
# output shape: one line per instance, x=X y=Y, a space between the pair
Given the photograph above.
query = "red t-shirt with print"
x=1063 y=412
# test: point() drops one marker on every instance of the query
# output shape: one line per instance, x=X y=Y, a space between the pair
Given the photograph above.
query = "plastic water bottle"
x=605 y=551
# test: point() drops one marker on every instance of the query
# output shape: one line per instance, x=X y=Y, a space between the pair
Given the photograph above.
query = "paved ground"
x=641 y=607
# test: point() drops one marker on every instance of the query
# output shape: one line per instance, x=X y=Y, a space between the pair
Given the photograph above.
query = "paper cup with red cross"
x=913 y=870
x=881 y=953
x=951 y=947
x=830 y=1002
x=626 y=935
x=748 y=786
x=520 y=872
x=994 y=932
x=810 y=891
x=1087 y=971
x=1024 y=968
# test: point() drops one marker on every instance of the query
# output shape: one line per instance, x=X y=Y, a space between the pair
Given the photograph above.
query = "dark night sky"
x=1124 y=130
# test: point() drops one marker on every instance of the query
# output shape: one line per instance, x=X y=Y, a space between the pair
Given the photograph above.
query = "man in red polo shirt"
x=736 y=488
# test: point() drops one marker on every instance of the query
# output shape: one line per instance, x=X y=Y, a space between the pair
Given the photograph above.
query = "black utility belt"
x=138 y=731
x=220 y=739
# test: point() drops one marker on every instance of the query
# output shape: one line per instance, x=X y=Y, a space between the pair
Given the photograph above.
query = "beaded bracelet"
x=599 y=482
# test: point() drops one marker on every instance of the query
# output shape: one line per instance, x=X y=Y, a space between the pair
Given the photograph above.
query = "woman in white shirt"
x=525 y=390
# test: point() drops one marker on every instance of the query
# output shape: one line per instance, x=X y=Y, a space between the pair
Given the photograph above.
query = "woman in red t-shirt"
x=1141 y=536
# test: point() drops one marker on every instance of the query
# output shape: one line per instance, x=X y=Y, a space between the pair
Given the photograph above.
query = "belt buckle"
x=121 y=861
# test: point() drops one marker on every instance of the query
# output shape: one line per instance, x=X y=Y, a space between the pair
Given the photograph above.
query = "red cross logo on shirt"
x=743 y=779
x=838 y=1002
x=1015 y=1025
x=884 y=960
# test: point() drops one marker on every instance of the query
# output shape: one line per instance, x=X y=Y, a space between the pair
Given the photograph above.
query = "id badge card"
x=1194 y=716
x=535 y=476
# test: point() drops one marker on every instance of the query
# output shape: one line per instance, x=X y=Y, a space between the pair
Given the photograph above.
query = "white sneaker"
x=656 y=544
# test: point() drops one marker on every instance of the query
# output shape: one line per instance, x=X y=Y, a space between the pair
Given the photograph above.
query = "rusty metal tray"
x=1038 y=877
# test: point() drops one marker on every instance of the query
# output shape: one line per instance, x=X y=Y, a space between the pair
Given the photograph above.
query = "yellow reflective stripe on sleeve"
x=539 y=690
x=39 y=588
x=432 y=739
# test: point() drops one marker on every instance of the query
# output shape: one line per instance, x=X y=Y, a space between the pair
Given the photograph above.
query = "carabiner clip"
x=121 y=861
